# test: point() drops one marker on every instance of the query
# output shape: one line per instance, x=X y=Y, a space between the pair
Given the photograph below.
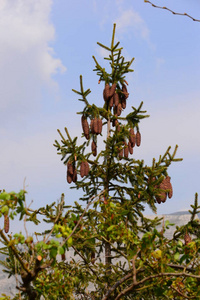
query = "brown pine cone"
x=118 y=127
x=187 y=239
x=114 y=122
x=123 y=102
x=138 y=138
x=106 y=92
x=70 y=168
x=116 y=99
x=95 y=125
x=130 y=148
x=111 y=101
x=74 y=178
x=99 y=125
x=126 y=150
x=94 y=148
x=87 y=168
x=169 y=187
x=69 y=177
x=119 y=109
x=121 y=152
x=132 y=137
x=85 y=125
x=112 y=89
x=92 y=126
x=82 y=169
x=6 y=223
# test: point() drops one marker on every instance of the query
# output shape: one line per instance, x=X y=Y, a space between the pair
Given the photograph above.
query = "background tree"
x=118 y=252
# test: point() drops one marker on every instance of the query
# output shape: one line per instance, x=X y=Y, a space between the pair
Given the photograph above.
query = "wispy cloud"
x=130 y=20
x=27 y=62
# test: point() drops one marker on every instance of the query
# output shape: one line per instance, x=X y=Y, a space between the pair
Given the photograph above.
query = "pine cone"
x=187 y=239
x=123 y=102
x=116 y=99
x=95 y=125
x=119 y=109
x=69 y=177
x=6 y=223
x=112 y=89
x=121 y=153
x=85 y=126
x=126 y=150
x=94 y=148
x=87 y=168
x=99 y=125
x=82 y=169
x=132 y=137
x=111 y=102
x=74 y=178
x=70 y=168
x=138 y=138
x=106 y=92
x=169 y=187
x=114 y=122
x=118 y=127
x=130 y=148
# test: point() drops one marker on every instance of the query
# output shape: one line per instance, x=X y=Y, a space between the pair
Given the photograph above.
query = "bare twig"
x=173 y=12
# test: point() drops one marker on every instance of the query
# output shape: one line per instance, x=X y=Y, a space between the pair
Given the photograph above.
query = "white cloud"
x=130 y=19
x=27 y=62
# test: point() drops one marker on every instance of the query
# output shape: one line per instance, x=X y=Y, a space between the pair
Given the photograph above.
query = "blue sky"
x=46 y=45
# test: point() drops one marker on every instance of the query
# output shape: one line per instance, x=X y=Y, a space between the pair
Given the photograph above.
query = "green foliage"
x=107 y=249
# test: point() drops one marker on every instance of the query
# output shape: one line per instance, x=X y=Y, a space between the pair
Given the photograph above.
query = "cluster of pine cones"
x=72 y=171
x=168 y=191
x=117 y=100
x=95 y=128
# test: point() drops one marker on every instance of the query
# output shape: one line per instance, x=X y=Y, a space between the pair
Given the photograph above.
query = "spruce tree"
x=118 y=253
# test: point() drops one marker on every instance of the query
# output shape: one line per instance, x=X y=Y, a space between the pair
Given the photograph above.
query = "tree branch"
x=174 y=13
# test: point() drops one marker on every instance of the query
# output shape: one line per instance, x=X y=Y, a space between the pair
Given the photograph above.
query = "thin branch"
x=89 y=203
x=131 y=287
x=173 y=12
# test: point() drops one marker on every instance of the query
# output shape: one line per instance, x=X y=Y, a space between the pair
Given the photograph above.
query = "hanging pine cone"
x=111 y=101
x=106 y=92
x=92 y=126
x=84 y=168
x=138 y=138
x=114 y=122
x=95 y=125
x=70 y=168
x=119 y=109
x=118 y=127
x=169 y=187
x=87 y=168
x=69 y=177
x=112 y=89
x=125 y=91
x=130 y=148
x=121 y=152
x=132 y=137
x=85 y=126
x=6 y=223
x=123 y=102
x=74 y=178
x=99 y=125
x=187 y=239
x=94 y=148
x=116 y=99
x=126 y=150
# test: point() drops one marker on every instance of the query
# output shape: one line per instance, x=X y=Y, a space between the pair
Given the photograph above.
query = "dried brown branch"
x=173 y=12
